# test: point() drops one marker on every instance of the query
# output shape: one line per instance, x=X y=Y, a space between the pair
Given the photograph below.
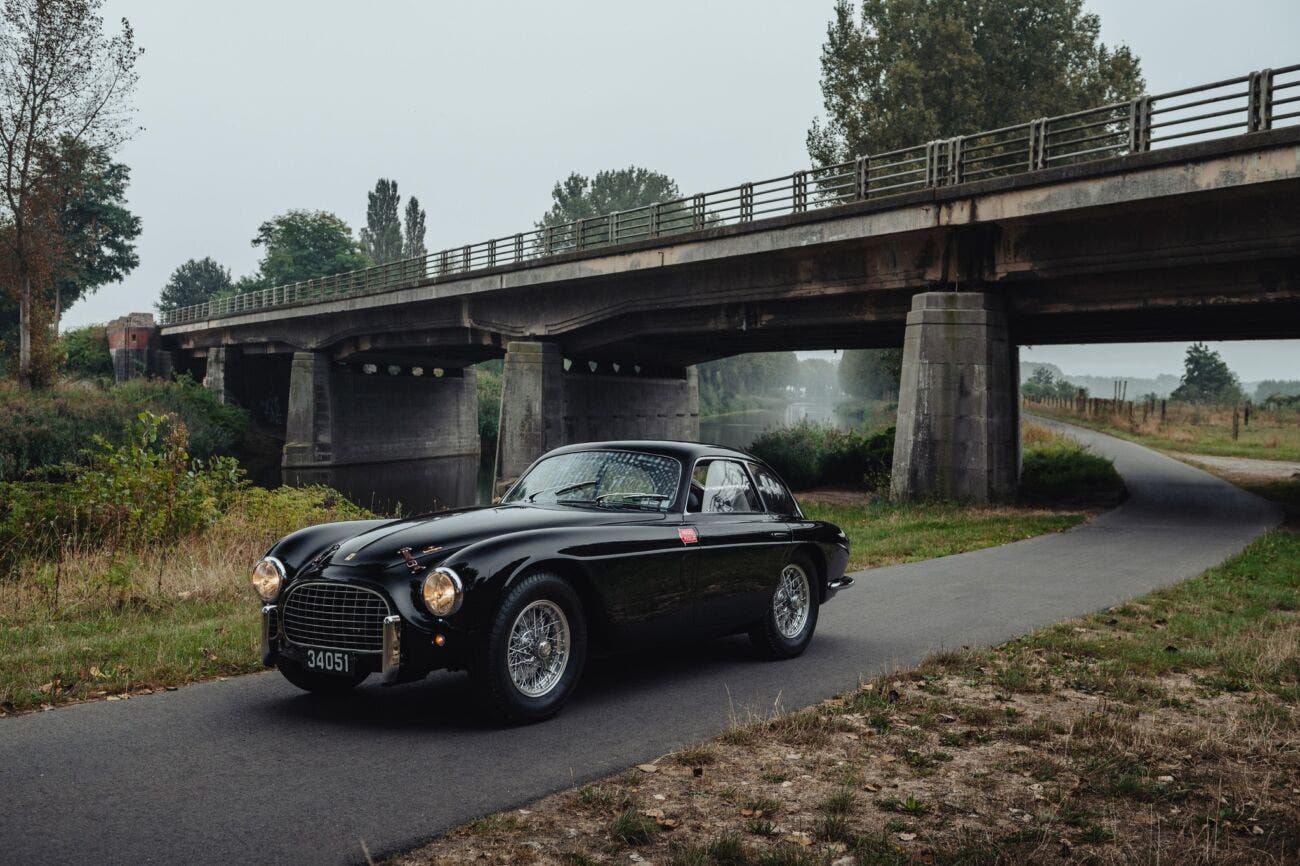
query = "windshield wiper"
x=628 y=500
x=563 y=488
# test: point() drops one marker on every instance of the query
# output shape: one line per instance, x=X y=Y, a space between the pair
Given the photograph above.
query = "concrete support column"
x=958 y=431
x=219 y=374
x=532 y=406
x=308 y=435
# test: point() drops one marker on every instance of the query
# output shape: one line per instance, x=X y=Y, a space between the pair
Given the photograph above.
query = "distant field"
x=1270 y=435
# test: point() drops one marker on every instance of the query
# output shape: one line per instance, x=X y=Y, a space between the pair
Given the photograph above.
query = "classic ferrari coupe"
x=607 y=545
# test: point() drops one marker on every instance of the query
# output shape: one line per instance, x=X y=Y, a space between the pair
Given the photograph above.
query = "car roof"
x=685 y=451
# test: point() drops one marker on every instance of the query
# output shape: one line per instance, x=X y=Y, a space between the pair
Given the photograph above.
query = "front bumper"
x=405 y=655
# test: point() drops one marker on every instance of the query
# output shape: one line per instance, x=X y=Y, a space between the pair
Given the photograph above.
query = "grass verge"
x=103 y=623
x=1162 y=730
x=1273 y=435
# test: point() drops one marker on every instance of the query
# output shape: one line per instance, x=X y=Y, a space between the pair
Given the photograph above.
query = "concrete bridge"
x=1168 y=218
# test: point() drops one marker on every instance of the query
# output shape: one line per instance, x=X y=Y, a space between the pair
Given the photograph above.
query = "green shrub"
x=49 y=428
x=489 y=407
x=143 y=491
x=46 y=428
x=809 y=454
x=215 y=428
x=1067 y=471
x=85 y=353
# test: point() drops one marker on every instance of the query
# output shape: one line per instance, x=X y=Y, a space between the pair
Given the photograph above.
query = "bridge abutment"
x=958 y=431
x=342 y=415
x=544 y=406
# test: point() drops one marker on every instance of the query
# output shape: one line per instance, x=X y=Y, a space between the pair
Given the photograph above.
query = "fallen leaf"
x=96 y=672
x=907 y=837
x=1165 y=779
x=869 y=787
x=1256 y=830
x=799 y=839
x=647 y=768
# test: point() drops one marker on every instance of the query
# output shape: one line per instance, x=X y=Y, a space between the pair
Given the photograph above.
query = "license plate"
x=330 y=661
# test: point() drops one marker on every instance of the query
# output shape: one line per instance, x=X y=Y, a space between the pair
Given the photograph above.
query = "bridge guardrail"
x=1257 y=101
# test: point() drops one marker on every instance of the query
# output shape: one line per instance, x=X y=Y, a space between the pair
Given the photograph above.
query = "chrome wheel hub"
x=538 y=650
x=791 y=602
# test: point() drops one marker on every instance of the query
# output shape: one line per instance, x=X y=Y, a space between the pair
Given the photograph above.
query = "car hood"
x=434 y=537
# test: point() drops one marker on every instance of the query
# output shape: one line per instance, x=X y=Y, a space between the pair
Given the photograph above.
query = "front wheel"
x=787 y=625
x=534 y=651
x=327 y=685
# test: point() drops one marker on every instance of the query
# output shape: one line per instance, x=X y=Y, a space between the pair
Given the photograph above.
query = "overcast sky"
x=252 y=108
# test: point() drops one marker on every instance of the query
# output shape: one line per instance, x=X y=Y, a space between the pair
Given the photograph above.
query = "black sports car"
x=606 y=544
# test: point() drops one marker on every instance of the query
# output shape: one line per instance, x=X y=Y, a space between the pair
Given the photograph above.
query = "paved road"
x=249 y=770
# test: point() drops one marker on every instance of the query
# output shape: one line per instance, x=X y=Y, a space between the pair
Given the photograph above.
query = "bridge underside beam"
x=340 y=415
x=958 y=430
x=544 y=406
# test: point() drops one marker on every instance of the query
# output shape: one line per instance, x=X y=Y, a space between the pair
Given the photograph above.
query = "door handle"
x=776 y=534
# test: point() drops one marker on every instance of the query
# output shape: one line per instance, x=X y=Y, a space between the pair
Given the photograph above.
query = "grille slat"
x=335 y=616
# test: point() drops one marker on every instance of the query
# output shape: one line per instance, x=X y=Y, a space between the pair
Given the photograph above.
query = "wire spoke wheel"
x=539 y=646
x=790 y=603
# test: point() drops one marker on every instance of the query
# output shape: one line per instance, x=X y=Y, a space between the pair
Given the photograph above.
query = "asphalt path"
x=251 y=770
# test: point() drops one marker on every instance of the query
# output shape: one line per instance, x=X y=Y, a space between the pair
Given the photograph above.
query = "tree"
x=579 y=197
x=85 y=352
x=1206 y=378
x=381 y=239
x=871 y=374
x=197 y=281
x=302 y=245
x=724 y=384
x=96 y=230
x=910 y=71
x=414 y=245
x=60 y=77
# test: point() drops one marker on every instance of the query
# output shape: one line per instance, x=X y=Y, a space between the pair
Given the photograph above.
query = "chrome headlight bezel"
x=442 y=592
x=277 y=574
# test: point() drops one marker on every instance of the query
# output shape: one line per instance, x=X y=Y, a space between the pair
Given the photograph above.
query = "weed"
x=632 y=828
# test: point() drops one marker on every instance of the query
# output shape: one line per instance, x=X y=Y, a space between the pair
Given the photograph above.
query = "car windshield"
x=608 y=479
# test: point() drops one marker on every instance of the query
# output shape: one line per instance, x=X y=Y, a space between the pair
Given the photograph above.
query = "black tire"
x=498 y=694
x=325 y=685
x=767 y=636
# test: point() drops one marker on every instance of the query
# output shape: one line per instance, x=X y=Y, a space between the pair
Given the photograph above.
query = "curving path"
x=248 y=770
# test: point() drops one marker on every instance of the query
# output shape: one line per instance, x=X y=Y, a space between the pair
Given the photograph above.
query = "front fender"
x=491 y=567
x=297 y=548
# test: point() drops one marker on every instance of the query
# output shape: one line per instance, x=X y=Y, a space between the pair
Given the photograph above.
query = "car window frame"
x=671 y=509
x=706 y=458
x=798 y=509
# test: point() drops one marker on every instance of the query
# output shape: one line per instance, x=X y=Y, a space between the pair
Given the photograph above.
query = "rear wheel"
x=329 y=685
x=534 y=651
x=788 y=624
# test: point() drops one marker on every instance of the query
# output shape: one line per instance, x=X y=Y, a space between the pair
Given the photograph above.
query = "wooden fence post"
x=1235 y=419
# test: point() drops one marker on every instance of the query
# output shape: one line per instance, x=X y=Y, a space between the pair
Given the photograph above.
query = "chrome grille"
x=335 y=616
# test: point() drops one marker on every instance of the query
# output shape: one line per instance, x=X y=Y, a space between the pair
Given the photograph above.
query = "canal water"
x=413 y=486
x=740 y=429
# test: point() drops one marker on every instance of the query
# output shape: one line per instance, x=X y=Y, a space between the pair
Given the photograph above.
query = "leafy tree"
x=302 y=245
x=97 y=231
x=195 y=282
x=414 y=244
x=1206 y=378
x=579 y=197
x=727 y=383
x=871 y=374
x=61 y=77
x=85 y=352
x=381 y=239
x=1279 y=387
x=908 y=71
x=1043 y=384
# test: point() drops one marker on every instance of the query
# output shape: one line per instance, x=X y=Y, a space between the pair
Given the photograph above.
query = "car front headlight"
x=268 y=578
x=443 y=592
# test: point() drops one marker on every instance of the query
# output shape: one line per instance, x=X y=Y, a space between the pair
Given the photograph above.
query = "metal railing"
x=1248 y=103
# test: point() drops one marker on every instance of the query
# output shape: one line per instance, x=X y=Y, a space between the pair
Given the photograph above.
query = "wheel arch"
x=598 y=627
x=818 y=560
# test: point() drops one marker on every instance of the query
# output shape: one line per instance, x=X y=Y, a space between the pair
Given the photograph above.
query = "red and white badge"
x=688 y=535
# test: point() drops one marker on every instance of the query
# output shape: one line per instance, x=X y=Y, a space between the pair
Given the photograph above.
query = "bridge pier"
x=219 y=373
x=339 y=415
x=544 y=406
x=958 y=431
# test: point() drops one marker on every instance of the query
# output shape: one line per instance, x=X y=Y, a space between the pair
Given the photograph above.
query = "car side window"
x=722 y=487
x=775 y=495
